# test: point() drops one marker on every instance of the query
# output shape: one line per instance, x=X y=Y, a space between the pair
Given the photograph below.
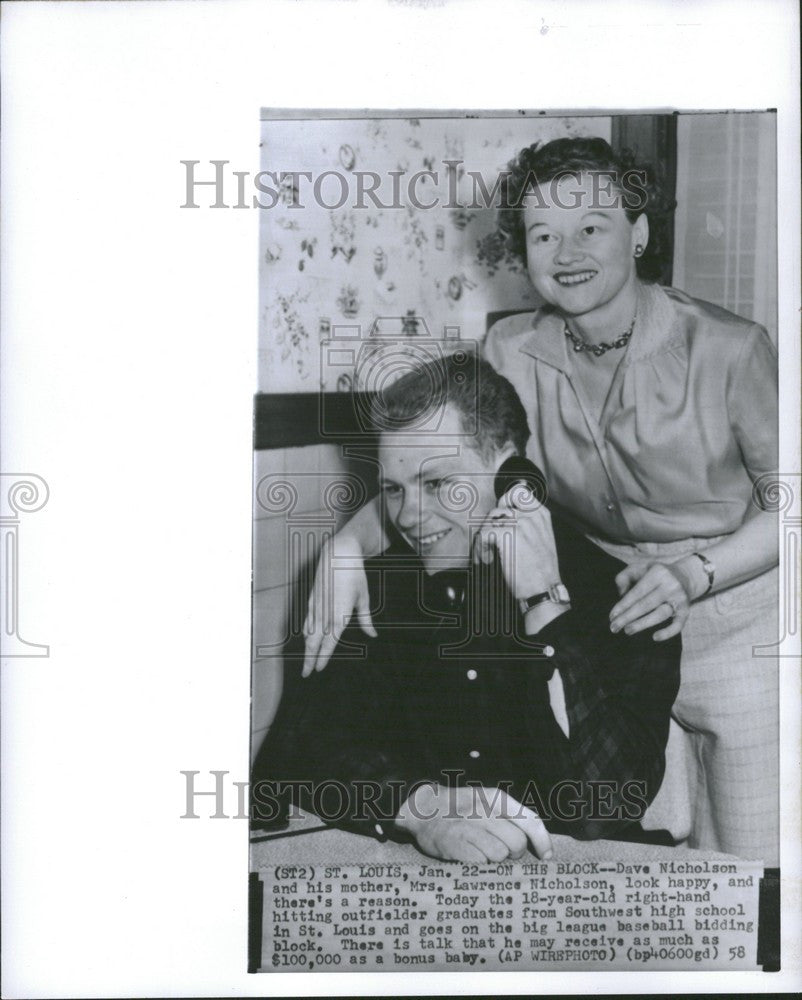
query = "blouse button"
x=471 y=675
x=611 y=507
x=473 y=753
x=548 y=650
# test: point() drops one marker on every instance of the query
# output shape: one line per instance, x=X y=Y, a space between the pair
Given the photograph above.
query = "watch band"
x=709 y=568
x=557 y=592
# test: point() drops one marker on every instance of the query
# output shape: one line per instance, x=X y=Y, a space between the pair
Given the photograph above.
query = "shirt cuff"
x=537 y=618
x=560 y=631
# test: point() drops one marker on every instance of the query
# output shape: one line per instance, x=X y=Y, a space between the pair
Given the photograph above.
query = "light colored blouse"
x=689 y=424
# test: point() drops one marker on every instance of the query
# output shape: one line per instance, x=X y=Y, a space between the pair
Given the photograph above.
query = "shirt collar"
x=655 y=331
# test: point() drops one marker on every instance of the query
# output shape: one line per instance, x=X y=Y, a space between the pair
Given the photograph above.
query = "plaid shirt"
x=453 y=691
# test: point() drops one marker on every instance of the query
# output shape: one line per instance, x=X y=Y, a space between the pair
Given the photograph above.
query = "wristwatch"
x=710 y=571
x=557 y=593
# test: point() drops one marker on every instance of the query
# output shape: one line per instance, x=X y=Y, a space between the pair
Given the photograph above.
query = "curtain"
x=725 y=248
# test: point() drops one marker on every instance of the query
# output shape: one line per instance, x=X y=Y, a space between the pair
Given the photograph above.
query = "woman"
x=654 y=418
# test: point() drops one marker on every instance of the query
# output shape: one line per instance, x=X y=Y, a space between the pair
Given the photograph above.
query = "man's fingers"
x=500 y=519
x=465 y=851
x=506 y=501
x=496 y=536
x=511 y=835
x=483 y=546
x=536 y=832
x=493 y=848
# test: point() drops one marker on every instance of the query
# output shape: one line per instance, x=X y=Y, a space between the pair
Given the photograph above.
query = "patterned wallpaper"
x=337 y=281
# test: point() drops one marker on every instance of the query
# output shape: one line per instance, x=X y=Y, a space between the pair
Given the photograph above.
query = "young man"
x=493 y=704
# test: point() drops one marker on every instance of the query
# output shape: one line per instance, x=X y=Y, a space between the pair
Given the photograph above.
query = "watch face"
x=559 y=594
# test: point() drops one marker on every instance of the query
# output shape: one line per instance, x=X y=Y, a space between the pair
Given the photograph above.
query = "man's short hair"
x=491 y=411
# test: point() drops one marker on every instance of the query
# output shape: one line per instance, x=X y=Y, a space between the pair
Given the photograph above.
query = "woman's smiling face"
x=580 y=245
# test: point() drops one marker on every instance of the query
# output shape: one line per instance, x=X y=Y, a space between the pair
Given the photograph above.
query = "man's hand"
x=472 y=824
x=524 y=540
x=331 y=607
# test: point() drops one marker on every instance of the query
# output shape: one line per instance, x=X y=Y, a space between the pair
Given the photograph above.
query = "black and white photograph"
x=516 y=506
x=400 y=498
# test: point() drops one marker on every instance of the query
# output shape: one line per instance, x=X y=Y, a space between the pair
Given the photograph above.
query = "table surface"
x=306 y=840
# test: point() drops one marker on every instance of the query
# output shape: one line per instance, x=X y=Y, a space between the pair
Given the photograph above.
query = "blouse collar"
x=656 y=331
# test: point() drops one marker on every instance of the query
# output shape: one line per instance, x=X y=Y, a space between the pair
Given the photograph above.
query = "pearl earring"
x=639 y=248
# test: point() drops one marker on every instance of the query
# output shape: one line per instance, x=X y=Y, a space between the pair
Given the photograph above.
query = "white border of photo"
x=129 y=348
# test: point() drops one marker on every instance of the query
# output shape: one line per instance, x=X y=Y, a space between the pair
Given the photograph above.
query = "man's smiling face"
x=436 y=498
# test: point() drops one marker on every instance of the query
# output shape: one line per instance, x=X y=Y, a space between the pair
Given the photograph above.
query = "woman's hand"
x=653 y=593
x=331 y=608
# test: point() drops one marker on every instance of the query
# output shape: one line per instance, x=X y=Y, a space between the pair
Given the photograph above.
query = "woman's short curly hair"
x=637 y=182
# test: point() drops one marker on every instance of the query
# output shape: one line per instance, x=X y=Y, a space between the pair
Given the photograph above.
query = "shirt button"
x=471 y=675
x=548 y=650
x=473 y=753
x=611 y=507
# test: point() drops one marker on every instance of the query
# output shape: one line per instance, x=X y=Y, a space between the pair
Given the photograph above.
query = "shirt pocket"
x=760 y=594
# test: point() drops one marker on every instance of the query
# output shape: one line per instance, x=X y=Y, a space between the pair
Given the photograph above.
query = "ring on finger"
x=673 y=609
